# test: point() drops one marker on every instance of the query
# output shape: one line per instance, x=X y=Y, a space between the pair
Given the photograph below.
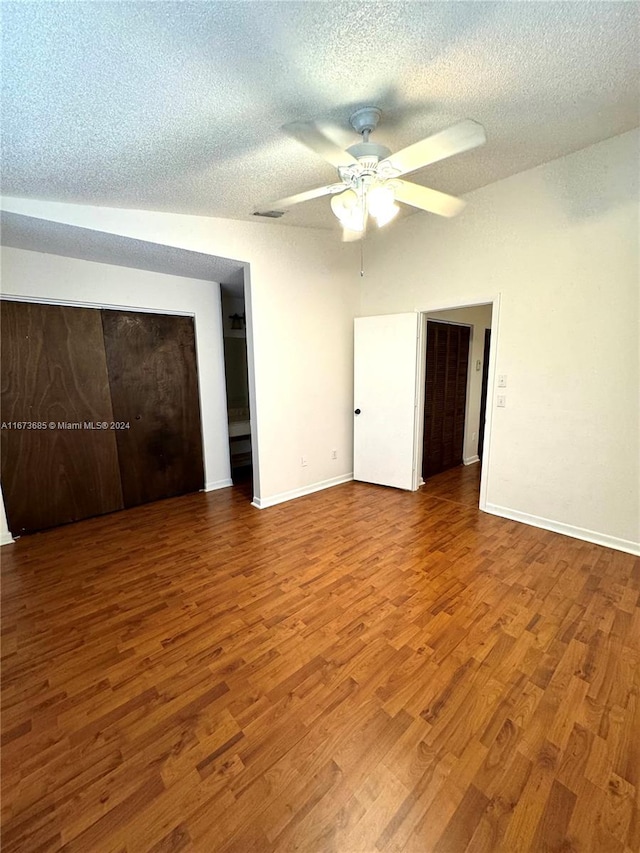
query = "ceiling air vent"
x=270 y=214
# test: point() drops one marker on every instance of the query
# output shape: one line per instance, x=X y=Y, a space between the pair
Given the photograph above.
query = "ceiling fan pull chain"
x=362 y=257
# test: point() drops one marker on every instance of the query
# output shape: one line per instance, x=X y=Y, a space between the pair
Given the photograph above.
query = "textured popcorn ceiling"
x=177 y=106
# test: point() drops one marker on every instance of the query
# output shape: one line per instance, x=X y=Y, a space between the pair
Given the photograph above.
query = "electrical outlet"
x=303 y=461
x=334 y=454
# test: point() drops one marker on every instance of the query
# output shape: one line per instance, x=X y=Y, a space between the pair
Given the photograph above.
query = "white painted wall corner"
x=263 y=503
x=592 y=536
x=217 y=484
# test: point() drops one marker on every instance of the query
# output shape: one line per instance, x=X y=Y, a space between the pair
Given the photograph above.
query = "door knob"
x=357 y=412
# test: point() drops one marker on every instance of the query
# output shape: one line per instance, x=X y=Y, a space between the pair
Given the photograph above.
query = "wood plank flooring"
x=460 y=484
x=359 y=670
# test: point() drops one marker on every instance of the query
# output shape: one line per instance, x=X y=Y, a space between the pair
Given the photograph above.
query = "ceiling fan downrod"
x=369 y=154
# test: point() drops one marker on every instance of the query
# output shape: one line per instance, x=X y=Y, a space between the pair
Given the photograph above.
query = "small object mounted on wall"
x=238 y=321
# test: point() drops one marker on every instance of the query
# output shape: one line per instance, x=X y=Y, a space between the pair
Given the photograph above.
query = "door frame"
x=451 y=305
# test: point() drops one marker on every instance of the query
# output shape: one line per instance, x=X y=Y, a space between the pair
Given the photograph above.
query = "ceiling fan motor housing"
x=369 y=154
x=372 y=163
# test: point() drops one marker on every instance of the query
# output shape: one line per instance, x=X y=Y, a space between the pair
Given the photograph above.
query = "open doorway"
x=454 y=385
x=234 y=326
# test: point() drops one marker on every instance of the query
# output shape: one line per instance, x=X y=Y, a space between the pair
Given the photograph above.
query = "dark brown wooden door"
x=153 y=377
x=445 y=396
x=54 y=375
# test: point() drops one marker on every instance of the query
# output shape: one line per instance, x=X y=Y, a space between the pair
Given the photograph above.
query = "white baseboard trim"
x=217 y=484
x=471 y=460
x=566 y=529
x=263 y=503
x=6 y=539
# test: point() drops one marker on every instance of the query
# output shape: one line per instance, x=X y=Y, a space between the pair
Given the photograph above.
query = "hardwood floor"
x=362 y=669
x=460 y=484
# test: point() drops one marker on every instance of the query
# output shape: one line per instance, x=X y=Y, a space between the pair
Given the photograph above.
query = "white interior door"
x=385 y=374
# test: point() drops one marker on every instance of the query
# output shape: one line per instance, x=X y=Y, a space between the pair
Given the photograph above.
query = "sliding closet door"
x=445 y=396
x=153 y=377
x=54 y=376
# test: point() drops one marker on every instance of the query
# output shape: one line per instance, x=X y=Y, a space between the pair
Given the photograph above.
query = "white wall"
x=51 y=277
x=559 y=243
x=301 y=293
x=479 y=318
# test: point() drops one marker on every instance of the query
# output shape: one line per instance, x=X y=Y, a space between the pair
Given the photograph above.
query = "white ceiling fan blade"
x=454 y=140
x=310 y=133
x=290 y=200
x=427 y=199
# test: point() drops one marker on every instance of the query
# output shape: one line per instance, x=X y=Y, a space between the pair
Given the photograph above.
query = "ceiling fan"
x=370 y=183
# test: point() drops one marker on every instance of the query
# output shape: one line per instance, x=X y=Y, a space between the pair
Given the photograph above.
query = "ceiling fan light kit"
x=381 y=202
x=369 y=174
x=349 y=209
x=367 y=198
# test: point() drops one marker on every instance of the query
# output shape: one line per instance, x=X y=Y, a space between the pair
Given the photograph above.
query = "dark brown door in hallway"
x=445 y=396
